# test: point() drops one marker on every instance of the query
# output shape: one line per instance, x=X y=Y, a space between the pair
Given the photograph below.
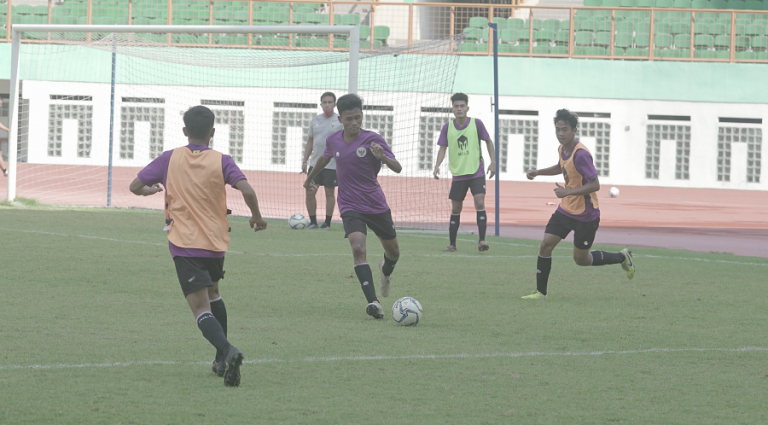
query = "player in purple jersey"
x=194 y=179
x=578 y=211
x=362 y=204
x=461 y=139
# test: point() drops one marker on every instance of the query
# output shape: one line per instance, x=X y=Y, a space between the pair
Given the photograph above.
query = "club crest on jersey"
x=361 y=152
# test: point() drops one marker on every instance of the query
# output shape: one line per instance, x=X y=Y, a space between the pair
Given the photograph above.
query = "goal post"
x=352 y=31
x=92 y=105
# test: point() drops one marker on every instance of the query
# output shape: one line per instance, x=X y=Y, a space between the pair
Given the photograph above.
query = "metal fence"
x=666 y=34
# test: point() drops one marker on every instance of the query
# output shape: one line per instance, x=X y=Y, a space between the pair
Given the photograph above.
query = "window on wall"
x=600 y=132
x=58 y=113
x=285 y=116
x=141 y=109
x=235 y=119
x=528 y=125
x=431 y=123
x=727 y=136
x=4 y=111
x=680 y=135
x=380 y=119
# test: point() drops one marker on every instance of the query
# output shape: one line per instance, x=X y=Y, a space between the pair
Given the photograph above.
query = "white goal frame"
x=17 y=29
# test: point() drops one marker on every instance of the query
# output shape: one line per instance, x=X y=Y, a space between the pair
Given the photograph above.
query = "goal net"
x=95 y=108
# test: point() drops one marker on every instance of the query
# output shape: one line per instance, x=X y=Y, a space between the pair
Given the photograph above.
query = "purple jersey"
x=157 y=172
x=482 y=134
x=583 y=163
x=356 y=171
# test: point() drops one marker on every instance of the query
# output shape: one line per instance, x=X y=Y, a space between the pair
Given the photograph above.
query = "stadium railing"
x=609 y=31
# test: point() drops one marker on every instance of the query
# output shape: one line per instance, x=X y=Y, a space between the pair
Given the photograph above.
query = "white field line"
x=703 y=260
x=410 y=357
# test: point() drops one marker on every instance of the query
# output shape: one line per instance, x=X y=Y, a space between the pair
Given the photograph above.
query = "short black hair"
x=567 y=116
x=328 y=94
x=198 y=121
x=460 y=96
x=349 y=102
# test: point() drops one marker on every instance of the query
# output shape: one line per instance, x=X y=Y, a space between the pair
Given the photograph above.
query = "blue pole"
x=494 y=28
x=111 y=119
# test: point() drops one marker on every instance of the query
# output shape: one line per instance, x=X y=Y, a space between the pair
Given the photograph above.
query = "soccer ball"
x=407 y=312
x=614 y=192
x=298 y=222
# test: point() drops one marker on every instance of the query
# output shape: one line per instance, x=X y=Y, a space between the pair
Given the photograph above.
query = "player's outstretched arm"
x=140 y=189
x=549 y=171
x=307 y=153
x=492 y=155
x=319 y=166
x=249 y=195
x=589 y=187
x=440 y=158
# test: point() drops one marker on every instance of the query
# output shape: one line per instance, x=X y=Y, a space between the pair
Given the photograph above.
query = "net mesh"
x=263 y=98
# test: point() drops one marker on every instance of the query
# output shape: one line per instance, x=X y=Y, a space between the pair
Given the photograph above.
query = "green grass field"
x=94 y=329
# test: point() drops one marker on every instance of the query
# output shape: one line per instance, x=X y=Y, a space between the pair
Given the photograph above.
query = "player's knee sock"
x=212 y=331
x=328 y=220
x=389 y=266
x=601 y=258
x=219 y=311
x=365 y=276
x=481 y=224
x=543 y=266
x=313 y=219
x=453 y=229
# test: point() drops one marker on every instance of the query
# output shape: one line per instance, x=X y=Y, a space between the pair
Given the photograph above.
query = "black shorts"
x=198 y=272
x=381 y=224
x=459 y=188
x=325 y=178
x=583 y=231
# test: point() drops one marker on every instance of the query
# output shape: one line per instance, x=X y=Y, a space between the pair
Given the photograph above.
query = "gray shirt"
x=319 y=129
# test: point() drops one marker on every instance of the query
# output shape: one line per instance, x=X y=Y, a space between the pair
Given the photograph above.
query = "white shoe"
x=374 y=310
x=386 y=281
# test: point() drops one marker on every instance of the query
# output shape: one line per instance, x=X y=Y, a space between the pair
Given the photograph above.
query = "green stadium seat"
x=755 y=29
x=381 y=32
x=701 y=28
x=704 y=41
x=628 y=3
x=662 y=27
x=521 y=48
x=624 y=40
x=723 y=42
x=602 y=39
x=593 y=3
x=541 y=49
x=718 y=4
x=753 y=5
x=515 y=23
x=742 y=42
x=584 y=38
x=680 y=28
x=642 y=28
x=682 y=4
x=545 y=35
x=597 y=51
x=679 y=53
x=663 y=40
x=700 y=4
x=665 y=3
x=562 y=37
x=642 y=40
x=551 y=25
x=759 y=43
x=586 y=26
x=682 y=41
x=611 y=3
x=736 y=5
x=625 y=26
x=507 y=36
x=718 y=29
x=559 y=50
x=522 y=35
x=468 y=47
x=471 y=34
x=478 y=22
x=603 y=26
x=365 y=32
x=506 y=48
x=636 y=52
x=746 y=55
x=40 y=10
x=565 y=24
x=646 y=3
x=500 y=22
x=537 y=24
x=23 y=9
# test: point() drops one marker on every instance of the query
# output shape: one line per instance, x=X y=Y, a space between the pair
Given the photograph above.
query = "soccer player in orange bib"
x=194 y=177
x=578 y=211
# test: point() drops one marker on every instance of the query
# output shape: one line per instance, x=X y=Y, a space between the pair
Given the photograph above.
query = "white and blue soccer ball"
x=298 y=222
x=407 y=312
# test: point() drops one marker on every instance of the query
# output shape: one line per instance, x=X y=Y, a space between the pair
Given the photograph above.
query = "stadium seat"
x=537 y=24
x=603 y=26
x=701 y=28
x=703 y=41
x=700 y=4
x=522 y=35
x=521 y=48
x=624 y=40
x=625 y=26
x=662 y=40
x=680 y=28
x=559 y=50
x=589 y=25
x=759 y=43
x=597 y=51
x=664 y=3
x=718 y=29
x=506 y=48
x=584 y=38
x=742 y=43
x=754 y=5
x=662 y=28
x=736 y=5
x=593 y=3
x=755 y=29
x=628 y=3
x=682 y=41
x=646 y=3
x=478 y=22
x=507 y=36
x=544 y=35
x=642 y=40
x=515 y=23
x=381 y=32
x=611 y=3
x=365 y=32
x=711 y=54
x=718 y=4
x=562 y=37
x=602 y=39
x=682 y=4
x=636 y=52
x=541 y=49
x=551 y=25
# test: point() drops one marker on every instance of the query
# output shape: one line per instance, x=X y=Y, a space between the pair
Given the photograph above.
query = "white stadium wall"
x=634 y=142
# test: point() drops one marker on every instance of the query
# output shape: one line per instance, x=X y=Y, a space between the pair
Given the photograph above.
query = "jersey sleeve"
x=232 y=173
x=482 y=133
x=583 y=163
x=328 y=153
x=443 y=140
x=156 y=171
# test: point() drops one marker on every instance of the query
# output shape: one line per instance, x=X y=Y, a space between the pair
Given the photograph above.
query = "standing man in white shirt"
x=322 y=126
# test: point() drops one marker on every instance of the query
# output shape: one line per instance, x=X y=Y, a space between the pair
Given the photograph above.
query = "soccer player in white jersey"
x=322 y=126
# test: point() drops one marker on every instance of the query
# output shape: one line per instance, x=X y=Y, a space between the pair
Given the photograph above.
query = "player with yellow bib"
x=579 y=210
x=461 y=138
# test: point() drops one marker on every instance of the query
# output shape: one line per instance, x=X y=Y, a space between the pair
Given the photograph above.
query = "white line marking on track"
x=411 y=357
x=447 y=255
